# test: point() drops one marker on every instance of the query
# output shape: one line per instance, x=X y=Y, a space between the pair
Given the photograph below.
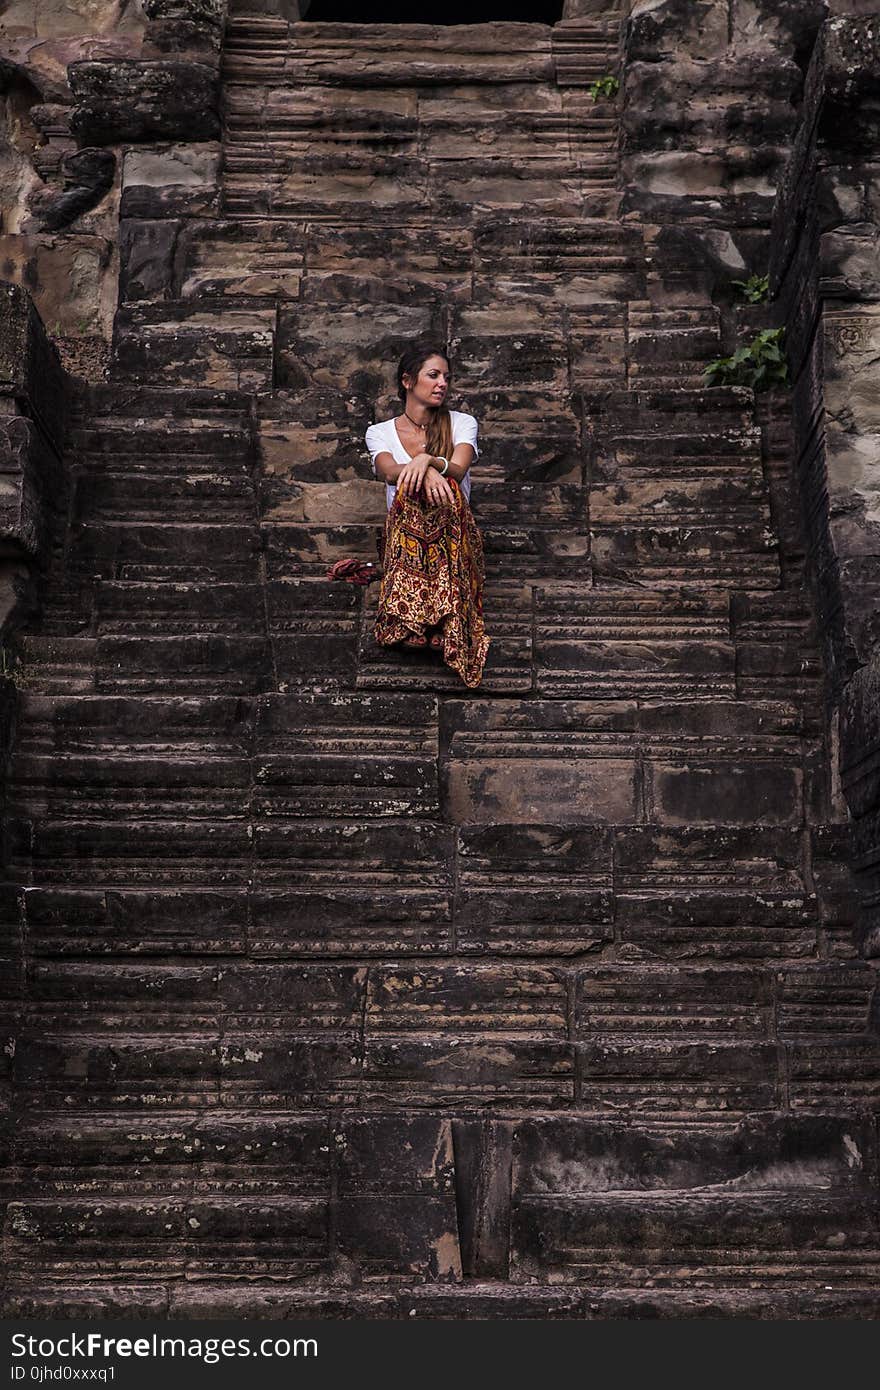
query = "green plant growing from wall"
x=755 y=290
x=761 y=364
x=604 y=87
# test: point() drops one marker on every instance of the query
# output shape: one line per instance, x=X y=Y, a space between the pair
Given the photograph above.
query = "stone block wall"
x=749 y=136
x=80 y=81
x=32 y=396
x=32 y=407
x=826 y=278
x=709 y=104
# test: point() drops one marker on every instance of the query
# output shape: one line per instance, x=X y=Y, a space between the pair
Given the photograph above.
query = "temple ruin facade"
x=335 y=989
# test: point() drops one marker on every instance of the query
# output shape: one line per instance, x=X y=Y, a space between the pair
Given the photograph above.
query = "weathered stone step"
x=126 y=852
x=786 y=1001
x=127 y=419
x=294 y=259
x=685 y=445
x=314 y=627
x=666 y=412
x=556 y=506
x=297 y=137
x=194 y=344
x=129 y=769
x=524 y=348
x=473 y=1299
x=717 y=455
x=231 y=1150
x=166 y=610
x=356 y=888
x=501 y=1073
x=105 y=786
x=630 y=491
x=668 y=345
x=120 y=444
x=728 y=557
x=552 y=1156
x=344 y=54
x=203 y=662
x=311 y=755
x=555 y=246
x=107 y=404
x=188 y=1068
x=698 y=1237
x=60 y=663
x=608 y=281
x=178 y=551
x=622 y=642
x=594 y=1004
x=513 y=256
x=382 y=55
x=627 y=495
x=287 y=1234
x=750 y=1204
x=613 y=348
x=586 y=47
x=519 y=347
x=513 y=555
x=318 y=176
x=479 y=1299
x=47 y=722
x=725 y=762
x=152 y=495
x=580 y=187
x=530 y=122
x=67 y=616
x=35 y=1296
x=346 y=755
x=256 y=268
x=749 y=726
x=559 y=889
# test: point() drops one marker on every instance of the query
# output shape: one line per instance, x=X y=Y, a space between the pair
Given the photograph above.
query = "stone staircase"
x=349 y=992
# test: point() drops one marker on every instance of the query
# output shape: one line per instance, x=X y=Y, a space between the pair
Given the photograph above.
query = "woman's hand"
x=412 y=475
x=437 y=490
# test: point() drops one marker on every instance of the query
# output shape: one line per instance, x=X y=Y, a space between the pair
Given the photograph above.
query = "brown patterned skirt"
x=433 y=578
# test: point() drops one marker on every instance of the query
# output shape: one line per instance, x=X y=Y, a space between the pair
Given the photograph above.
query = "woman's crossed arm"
x=425 y=470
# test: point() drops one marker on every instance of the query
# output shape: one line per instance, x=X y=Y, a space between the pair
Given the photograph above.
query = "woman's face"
x=432 y=383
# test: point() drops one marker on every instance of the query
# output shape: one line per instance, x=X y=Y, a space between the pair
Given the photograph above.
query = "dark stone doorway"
x=451 y=12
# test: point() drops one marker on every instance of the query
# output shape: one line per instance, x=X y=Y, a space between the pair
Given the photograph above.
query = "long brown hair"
x=438 y=439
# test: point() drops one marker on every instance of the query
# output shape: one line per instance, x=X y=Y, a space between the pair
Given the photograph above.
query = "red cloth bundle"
x=354 y=571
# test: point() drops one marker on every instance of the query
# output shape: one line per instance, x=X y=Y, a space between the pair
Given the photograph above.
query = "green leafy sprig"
x=604 y=87
x=755 y=290
x=761 y=364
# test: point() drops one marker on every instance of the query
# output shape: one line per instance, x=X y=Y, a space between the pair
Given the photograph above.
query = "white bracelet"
x=445 y=469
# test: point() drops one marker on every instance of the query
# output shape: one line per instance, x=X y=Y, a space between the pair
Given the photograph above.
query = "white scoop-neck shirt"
x=384 y=439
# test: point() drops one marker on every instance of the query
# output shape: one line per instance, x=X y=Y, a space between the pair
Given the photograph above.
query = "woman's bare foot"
x=415 y=641
x=436 y=641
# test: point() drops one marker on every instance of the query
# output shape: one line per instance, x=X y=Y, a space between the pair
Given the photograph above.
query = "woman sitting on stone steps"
x=432 y=584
